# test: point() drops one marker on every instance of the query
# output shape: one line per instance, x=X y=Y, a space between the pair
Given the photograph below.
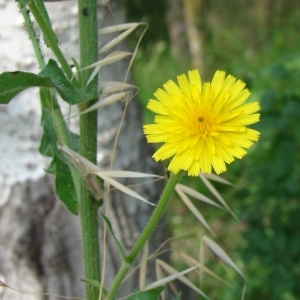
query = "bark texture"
x=40 y=248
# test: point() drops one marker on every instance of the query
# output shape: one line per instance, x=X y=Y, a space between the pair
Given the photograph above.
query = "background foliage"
x=256 y=41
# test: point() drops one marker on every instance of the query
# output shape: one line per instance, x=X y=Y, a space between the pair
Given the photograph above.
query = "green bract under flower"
x=202 y=126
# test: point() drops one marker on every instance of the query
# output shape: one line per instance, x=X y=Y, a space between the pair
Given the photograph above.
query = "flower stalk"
x=145 y=235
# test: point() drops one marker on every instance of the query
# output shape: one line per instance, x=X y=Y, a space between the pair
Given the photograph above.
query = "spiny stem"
x=88 y=209
x=33 y=38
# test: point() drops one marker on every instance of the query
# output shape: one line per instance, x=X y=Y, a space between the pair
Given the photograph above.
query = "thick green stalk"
x=88 y=208
x=145 y=235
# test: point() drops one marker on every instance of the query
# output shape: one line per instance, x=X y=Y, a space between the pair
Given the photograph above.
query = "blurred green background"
x=256 y=41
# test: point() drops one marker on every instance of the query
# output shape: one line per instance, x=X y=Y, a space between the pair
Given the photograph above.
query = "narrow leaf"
x=143 y=267
x=127 y=174
x=193 y=209
x=217 y=178
x=216 y=194
x=196 y=195
x=2 y=283
x=87 y=167
x=117 y=243
x=123 y=188
x=109 y=59
x=159 y=276
x=182 y=278
x=119 y=27
x=106 y=101
x=109 y=87
x=81 y=163
x=192 y=262
x=220 y=253
x=116 y=40
x=175 y=275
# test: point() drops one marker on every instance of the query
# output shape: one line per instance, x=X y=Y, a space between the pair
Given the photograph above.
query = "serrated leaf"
x=66 y=90
x=12 y=83
x=147 y=295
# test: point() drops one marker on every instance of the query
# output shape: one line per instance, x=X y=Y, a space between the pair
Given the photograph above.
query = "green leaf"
x=22 y=3
x=66 y=90
x=77 y=67
x=92 y=282
x=59 y=167
x=49 y=138
x=118 y=245
x=48 y=142
x=96 y=284
x=12 y=83
x=64 y=185
x=147 y=295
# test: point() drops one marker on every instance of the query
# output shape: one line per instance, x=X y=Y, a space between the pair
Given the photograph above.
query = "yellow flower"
x=202 y=126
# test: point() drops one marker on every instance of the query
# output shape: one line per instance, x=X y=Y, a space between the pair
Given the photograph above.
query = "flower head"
x=202 y=126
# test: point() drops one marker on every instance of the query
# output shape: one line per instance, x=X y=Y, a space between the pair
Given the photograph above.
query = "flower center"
x=205 y=126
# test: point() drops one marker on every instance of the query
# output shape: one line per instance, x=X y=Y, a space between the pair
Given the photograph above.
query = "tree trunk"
x=39 y=238
x=191 y=11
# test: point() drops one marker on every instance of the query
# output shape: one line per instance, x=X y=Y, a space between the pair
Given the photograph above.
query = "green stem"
x=48 y=99
x=149 y=228
x=49 y=36
x=33 y=38
x=88 y=209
